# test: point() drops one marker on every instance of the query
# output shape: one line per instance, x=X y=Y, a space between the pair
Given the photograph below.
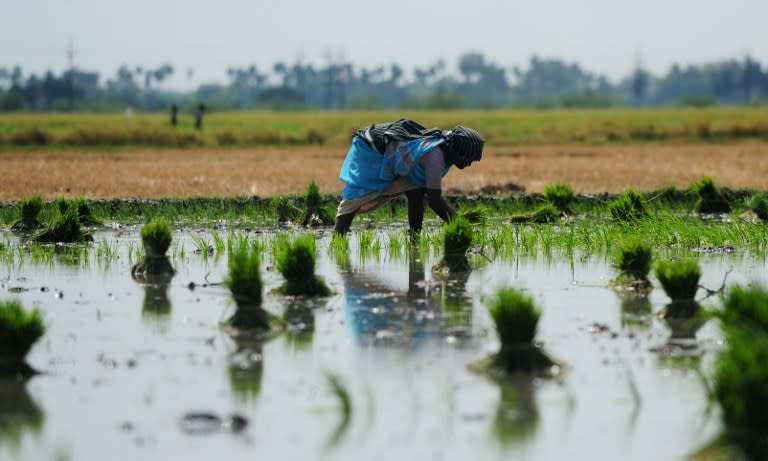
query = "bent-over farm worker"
x=403 y=157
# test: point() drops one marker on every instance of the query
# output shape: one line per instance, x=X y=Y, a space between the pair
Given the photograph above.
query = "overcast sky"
x=603 y=36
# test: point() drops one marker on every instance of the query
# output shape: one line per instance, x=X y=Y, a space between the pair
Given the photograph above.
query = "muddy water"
x=123 y=363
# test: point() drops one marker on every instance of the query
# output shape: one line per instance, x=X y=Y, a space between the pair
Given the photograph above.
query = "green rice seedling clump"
x=741 y=377
x=515 y=316
x=547 y=213
x=679 y=278
x=285 y=210
x=633 y=258
x=314 y=213
x=629 y=207
x=477 y=215
x=29 y=210
x=156 y=237
x=84 y=212
x=560 y=195
x=711 y=200
x=296 y=262
x=19 y=330
x=244 y=274
x=64 y=228
x=457 y=236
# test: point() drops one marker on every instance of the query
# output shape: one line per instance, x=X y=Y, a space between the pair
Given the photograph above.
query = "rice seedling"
x=296 y=262
x=156 y=238
x=456 y=240
x=679 y=278
x=285 y=210
x=64 y=228
x=202 y=247
x=477 y=215
x=544 y=214
x=29 y=209
x=561 y=196
x=19 y=330
x=630 y=207
x=711 y=200
x=633 y=260
x=516 y=317
x=314 y=213
x=244 y=282
x=741 y=377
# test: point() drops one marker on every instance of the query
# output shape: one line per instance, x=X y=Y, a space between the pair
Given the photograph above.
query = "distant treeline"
x=479 y=84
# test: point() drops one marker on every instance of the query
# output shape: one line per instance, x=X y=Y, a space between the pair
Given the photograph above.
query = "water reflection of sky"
x=124 y=361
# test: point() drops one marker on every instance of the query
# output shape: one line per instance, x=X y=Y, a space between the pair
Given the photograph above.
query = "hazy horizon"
x=605 y=37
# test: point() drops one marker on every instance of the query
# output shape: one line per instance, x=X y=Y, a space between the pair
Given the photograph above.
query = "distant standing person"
x=174 y=114
x=199 y=116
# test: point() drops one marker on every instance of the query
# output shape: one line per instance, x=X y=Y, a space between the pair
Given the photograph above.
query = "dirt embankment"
x=267 y=172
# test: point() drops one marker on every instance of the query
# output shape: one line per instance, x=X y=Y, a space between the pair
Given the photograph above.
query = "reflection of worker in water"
x=199 y=113
x=389 y=159
x=378 y=314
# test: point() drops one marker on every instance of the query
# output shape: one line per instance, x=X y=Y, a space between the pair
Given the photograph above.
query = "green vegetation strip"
x=305 y=128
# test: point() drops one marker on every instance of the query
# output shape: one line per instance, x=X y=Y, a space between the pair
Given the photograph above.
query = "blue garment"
x=364 y=170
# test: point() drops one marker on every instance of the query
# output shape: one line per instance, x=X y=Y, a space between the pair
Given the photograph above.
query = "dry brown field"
x=158 y=173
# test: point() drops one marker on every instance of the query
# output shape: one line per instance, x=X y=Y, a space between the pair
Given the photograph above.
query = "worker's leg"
x=343 y=222
x=415 y=209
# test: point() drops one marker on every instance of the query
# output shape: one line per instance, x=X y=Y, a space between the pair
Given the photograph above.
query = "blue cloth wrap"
x=364 y=170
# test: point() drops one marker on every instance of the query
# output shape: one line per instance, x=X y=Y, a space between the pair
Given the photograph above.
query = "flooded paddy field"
x=132 y=370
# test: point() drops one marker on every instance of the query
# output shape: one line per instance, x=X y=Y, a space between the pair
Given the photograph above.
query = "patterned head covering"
x=466 y=143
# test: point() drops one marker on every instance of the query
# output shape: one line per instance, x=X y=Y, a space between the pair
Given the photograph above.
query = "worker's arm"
x=434 y=164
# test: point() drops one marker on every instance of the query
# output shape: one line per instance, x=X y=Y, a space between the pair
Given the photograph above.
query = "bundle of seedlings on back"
x=680 y=280
x=19 y=330
x=156 y=238
x=64 y=228
x=296 y=261
x=244 y=281
x=633 y=260
x=544 y=214
x=29 y=208
x=741 y=377
x=314 y=213
x=285 y=210
x=711 y=200
x=516 y=317
x=759 y=205
x=629 y=207
x=457 y=238
x=561 y=196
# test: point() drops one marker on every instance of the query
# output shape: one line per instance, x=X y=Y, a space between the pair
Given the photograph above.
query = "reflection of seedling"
x=516 y=317
x=710 y=199
x=18 y=332
x=29 y=209
x=560 y=195
x=342 y=395
x=296 y=261
x=64 y=228
x=741 y=377
x=629 y=207
x=314 y=213
x=633 y=260
x=679 y=278
x=156 y=238
x=244 y=281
